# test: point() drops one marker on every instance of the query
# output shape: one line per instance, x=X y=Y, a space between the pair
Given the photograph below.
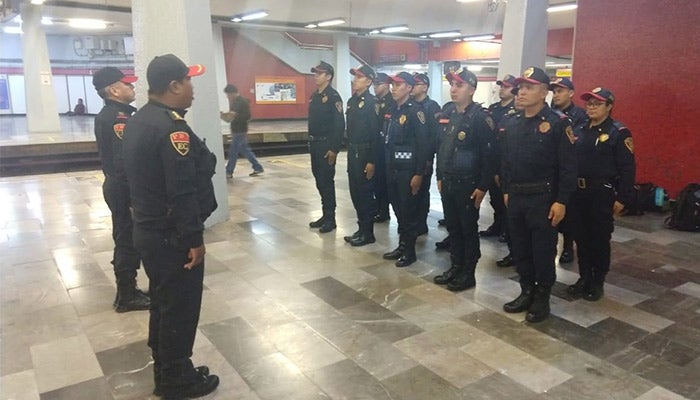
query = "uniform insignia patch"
x=324 y=99
x=603 y=137
x=596 y=90
x=339 y=106
x=490 y=123
x=174 y=115
x=512 y=111
x=544 y=127
x=570 y=134
x=119 y=130
x=361 y=104
x=402 y=119
x=421 y=117
x=121 y=115
x=528 y=72
x=462 y=135
x=629 y=145
x=181 y=142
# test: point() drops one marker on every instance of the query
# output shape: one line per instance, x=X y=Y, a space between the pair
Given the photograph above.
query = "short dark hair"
x=230 y=89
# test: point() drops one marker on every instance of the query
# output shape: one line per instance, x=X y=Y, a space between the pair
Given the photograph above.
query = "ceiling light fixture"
x=331 y=22
x=257 y=14
x=37 y=2
x=394 y=29
x=475 y=68
x=12 y=30
x=441 y=35
x=412 y=66
x=562 y=7
x=83 y=23
x=478 y=37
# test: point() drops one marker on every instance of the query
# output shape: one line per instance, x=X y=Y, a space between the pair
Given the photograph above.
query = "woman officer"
x=605 y=155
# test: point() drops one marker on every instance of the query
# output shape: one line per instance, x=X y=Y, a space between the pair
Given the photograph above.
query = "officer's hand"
x=497 y=180
x=369 y=170
x=478 y=197
x=196 y=256
x=440 y=186
x=505 y=199
x=556 y=213
x=617 y=208
x=331 y=157
x=415 y=184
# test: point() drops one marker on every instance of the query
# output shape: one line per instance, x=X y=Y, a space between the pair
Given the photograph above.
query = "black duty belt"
x=530 y=188
x=360 y=146
x=591 y=183
x=458 y=178
x=313 y=138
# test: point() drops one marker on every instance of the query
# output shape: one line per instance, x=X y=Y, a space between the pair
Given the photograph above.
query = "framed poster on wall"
x=4 y=95
x=277 y=90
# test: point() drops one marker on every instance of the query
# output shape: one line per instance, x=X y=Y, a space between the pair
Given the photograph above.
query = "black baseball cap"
x=507 y=81
x=421 y=78
x=364 y=70
x=382 y=78
x=600 y=94
x=562 y=82
x=167 y=68
x=404 y=76
x=108 y=75
x=533 y=75
x=324 y=67
x=462 y=75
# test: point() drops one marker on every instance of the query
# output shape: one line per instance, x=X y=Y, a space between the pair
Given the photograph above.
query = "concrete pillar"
x=435 y=76
x=524 y=36
x=42 y=110
x=341 y=63
x=188 y=36
x=220 y=62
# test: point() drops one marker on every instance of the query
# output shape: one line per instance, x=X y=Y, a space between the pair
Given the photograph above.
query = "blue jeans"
x=239 y=144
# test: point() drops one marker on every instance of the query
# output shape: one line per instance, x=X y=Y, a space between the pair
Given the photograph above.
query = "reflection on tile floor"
x=289 y=313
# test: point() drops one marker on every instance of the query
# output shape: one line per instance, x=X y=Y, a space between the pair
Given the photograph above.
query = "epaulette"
x=175 y=116
x=618 y=125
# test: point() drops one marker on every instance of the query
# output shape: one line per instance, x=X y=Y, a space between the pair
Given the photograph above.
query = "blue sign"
x=4 y=94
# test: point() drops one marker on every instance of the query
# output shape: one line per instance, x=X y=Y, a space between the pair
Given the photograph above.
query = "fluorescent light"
x=562 y=7
x=467 y=1
x=236 y=19
x=255 y=15
x=478 y=37
x=450 y=34
x=17 y=19
x=38 y=2
x=12 y=30
x=46 y=21
x=413 y=66
x=311 y=26
x=475 y=68
x=331 y=22
x=423 y=36
x=374 y=31
x=397 y=28
x=84 y=23
x=457 y=40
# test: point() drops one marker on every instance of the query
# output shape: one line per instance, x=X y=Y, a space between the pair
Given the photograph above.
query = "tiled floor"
x=289 y=313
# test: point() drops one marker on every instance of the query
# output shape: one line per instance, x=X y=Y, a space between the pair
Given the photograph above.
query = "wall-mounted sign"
x=276 y=90
x=564 y=73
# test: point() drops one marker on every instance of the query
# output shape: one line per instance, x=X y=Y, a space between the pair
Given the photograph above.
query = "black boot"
x=130 y=298
x=522 y=302
x=349 y=239
x=506 y=261
x=594 y=293
x=464 y=279
x=185 y=382
x=328 y=224
x=408 y=256
x=492 y=230
x=381 y=217
x=539 y=310
x=396 y=253
x=317 y=223
x=444 y=244
x=578 y=289
x=447 y=276
x=202 y=369
x=567 y=254
x=363 y=239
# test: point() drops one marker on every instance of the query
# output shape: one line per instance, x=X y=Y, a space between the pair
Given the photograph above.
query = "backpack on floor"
x=686 y=216
x=642 y=199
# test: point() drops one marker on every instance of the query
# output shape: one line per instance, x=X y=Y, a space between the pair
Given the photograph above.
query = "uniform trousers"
x=125 y=259
x=361 y=188
x=381 y=194
x=324 y=175
x=591 y=217
x=461 y=220
x=533 y=237
x=404 y=203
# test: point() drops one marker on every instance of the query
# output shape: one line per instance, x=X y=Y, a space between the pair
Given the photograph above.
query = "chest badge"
x=603 y=137
x=181 y=142
x=324 y=99
x=402 y=119
x=361 y=104
x=119 y=129
x=570 y=134
x=462 y=135
x=544 y=127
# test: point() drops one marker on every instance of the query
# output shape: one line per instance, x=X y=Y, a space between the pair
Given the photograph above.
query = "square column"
x=524 y=36
x=341 y=63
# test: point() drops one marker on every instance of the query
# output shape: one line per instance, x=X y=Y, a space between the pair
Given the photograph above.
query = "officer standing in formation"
x=386 y=103
x=464 y=173
x=407 y=147
x=326 y=127
x=169 y=170
x=432 y=111
x=503 y=109
x=606 y=172
x=562 y=100
x=363 y=137
x=539 y=175
x=117 y=91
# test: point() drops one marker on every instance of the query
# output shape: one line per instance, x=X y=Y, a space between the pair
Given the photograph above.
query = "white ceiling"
x=471 y=18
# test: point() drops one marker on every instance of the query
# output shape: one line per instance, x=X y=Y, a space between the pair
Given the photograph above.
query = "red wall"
x=646 y=52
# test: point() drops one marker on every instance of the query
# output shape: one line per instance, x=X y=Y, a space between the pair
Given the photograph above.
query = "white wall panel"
x=93 y=102
x=61 y=89
x=76 y=90
x=19 y=102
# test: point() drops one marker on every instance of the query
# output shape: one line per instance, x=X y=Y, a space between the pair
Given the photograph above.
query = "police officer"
x=464 y=173
x=326 y=126
x=117 y=90
x=539 y=174
x=606 y=170
x=169 y=169
x=562 y=95
x=386 y=103
x=432 y=111
x=363 y=135
x=407 y=147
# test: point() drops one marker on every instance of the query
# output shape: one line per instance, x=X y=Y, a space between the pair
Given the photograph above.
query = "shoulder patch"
x=119 y=129
x=175 y=116
x=629 y=144
x=421 y=117
x=570 y=134
x=339 y=106
x=121 y=115
x=181 y=142
x=490 y=123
